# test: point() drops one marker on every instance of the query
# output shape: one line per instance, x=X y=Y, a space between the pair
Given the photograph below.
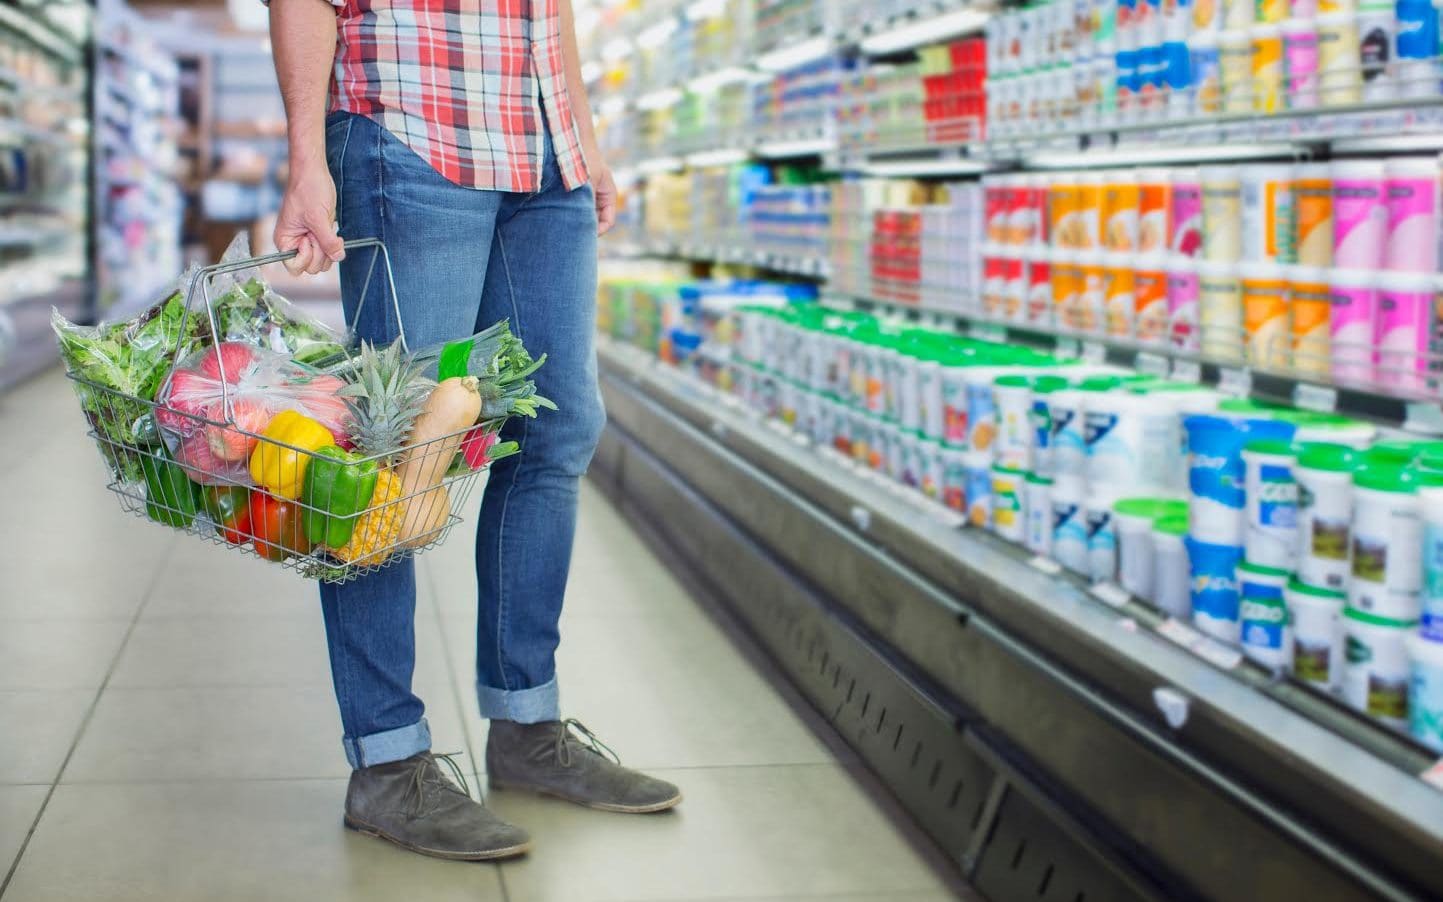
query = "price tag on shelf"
x=1045 y=564
x=1187 y=371
x=1068 y=347
x=1110 y=594
x=1434 y=774
x=1152 y=364
x=1176 y=631
x=1094 y=352
x=1322 y=398
x=1235 y=381
x=1215 y=652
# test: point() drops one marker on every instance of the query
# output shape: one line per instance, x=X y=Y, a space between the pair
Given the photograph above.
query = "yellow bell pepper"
x=279 y=469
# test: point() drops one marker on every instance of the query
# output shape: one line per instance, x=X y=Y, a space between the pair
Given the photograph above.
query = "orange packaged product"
x=1066 y=277
x=1089 y=308
x=1311 y=300
x=1154 y=209
x=1089 y=212
x=1120 y=212
x=1063 y=197
x=1117 y=295
x=1150 y=317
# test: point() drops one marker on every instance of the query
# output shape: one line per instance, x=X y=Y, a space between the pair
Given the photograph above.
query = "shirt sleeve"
x=336 y=3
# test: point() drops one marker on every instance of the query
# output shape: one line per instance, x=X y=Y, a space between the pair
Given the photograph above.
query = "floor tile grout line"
x=89 y=714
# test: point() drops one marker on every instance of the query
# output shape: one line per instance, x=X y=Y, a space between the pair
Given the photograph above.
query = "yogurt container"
x=954 y=479
x=1069 y=528
x=1271 y=536
x=1339 y=78
x=1376 y=668
x=1300 y=63
x=977 y=469
x=1267 y=213
x=1007 y=510
x=1185 y=219
x=1130 y=437
x=1171 y=581
x=1311 y=300
x=1150 y=301
x=1360 y=214
x=1089 y=312
x=1120 y=212
x=1267 y=317
x=1387 y=540
x=1425 y=692
x=1220 y=311
x=1313 y=214
x=1316 y=618
x=1041 y=418
x=1235 y=62
x=1118 y=295
x=1264 y=632
x=1133 y=520
x=1013 y=398
x=1216 y=475
x=1377 y=46
x=1212 y=570
x=1411 y=196
x=1354 y=324
x=1182 y=305
x=1267 y=66
x=1430 y=503
x=1405 y=330
x=1324 y=473
x=930 y=467
x=1221 y=214
x=1257 y=581
x=1101 y=535
x=1037 y=513
x=1066 y=442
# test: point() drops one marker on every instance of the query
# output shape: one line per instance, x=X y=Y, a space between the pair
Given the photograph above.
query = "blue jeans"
x=464 y=259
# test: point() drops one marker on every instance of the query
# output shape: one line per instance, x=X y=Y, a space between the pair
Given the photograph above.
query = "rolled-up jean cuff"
x=535 y=705
x=392 y=745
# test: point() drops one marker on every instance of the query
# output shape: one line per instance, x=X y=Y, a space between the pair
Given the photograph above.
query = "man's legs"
x=543 y=277
x=438 y=236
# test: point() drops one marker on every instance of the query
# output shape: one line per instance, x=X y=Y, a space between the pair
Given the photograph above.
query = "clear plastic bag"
x=210 y=424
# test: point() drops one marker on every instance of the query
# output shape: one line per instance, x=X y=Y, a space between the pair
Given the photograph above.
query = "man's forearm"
x=576 y=86
x=303 y=39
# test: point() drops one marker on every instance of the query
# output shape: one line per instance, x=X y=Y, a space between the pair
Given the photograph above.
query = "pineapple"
x=379 y=528
x=385 y=395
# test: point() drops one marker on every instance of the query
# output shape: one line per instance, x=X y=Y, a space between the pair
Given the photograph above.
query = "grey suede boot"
x=412 y=804
x=547 y=758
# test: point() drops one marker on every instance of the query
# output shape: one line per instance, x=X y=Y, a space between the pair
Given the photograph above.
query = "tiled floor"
x=167 y=729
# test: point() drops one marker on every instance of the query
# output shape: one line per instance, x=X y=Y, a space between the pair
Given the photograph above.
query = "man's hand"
x=307 y=222
x=604 y=187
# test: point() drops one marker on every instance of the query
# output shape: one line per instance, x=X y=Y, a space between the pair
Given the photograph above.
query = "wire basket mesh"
x=326 y=513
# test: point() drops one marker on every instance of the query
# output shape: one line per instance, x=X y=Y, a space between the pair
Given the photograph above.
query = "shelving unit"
x=139 y=199
x=45 y=193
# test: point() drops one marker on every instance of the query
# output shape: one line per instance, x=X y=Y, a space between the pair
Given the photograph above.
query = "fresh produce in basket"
x=453 y=408
x=285 y=451
x=228 y=507
x=385 y=395
x=379 y=529
x=257 y=387
x=276 y=524
x=338 y=489
x=170 y=496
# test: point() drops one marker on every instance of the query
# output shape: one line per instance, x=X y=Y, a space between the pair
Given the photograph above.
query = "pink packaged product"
x=1353 y=330
x=1360 y=214
x=1411 y=197
x=1185 y=225
x=1300 y=61
x=1404 y=331
x=1182 y=306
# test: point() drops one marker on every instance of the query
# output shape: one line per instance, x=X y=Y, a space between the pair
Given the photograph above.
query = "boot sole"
x=488 y=855
x=599 y=806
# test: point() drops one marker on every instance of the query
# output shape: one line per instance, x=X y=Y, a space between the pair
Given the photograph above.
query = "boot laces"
x=429 y=774
x=587 y=740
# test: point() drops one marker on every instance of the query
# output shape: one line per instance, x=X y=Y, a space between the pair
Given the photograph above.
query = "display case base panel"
x=985 y=821
x=1014 y=744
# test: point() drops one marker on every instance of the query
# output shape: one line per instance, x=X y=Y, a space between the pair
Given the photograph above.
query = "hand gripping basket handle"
x=204 y=277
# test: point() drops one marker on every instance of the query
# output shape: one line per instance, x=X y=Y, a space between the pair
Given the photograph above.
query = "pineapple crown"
x=385 y=395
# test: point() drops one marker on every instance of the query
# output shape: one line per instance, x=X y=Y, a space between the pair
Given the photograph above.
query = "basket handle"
x=206 y=276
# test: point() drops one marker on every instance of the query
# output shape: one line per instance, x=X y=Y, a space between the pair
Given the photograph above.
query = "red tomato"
x=277 y=526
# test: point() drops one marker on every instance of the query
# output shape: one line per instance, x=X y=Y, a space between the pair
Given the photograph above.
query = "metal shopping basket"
x=406 y=514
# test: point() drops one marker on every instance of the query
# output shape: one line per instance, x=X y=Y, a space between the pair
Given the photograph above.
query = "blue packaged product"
x=1417 y=29
x=1204 y=76
x=1216 y=473
x=1264 y=630
x=1212 y=570
x=1069 y=531
x=1425 y=692
x=978 y=488
x=1176 y=67
x=1127 y=79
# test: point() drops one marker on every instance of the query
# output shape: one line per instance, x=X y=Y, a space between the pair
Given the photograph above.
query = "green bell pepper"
x=170 y=496
x=338 y=489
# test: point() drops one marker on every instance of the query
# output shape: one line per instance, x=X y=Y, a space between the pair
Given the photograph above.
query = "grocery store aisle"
x=167 y=728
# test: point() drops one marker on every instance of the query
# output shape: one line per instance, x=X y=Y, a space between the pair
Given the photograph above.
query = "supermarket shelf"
x=1423 y=415
x=1267 y=789
x=806 y=267
x=39 y=33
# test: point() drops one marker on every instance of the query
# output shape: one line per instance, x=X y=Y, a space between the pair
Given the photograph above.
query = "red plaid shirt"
x=463 y=83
